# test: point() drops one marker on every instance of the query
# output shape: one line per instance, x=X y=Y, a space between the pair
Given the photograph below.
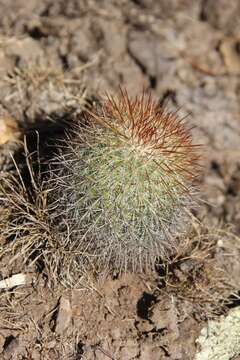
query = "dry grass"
x=26 y=232
x=29 y=234
x=201 y=273
x=43 y=90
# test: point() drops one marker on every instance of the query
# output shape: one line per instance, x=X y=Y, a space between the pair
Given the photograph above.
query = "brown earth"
x=53 y=56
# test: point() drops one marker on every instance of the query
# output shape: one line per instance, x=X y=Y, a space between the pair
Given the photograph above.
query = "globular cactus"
x=127 y=179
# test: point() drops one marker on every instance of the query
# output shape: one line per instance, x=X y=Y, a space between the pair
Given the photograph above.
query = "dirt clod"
x=8 y=129
x=64 y=316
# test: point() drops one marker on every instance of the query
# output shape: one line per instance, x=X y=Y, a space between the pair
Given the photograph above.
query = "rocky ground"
x=54 y=55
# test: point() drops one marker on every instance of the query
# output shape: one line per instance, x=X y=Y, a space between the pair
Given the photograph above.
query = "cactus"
x=127 y=182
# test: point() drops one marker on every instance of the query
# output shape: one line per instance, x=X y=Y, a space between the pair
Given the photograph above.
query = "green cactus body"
x=129 y=181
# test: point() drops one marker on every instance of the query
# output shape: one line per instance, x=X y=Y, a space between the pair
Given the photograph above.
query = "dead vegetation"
x=25 y=229
x=43 y=90
x=200 y=273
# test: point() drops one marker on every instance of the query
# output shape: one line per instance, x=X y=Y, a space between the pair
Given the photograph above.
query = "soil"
x=53 y=56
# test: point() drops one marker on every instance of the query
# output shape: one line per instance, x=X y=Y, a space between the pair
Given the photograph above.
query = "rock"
x=51 y=344
x=64 y=317
x=9 y=130
x=154 y=54
x=25 y=51
x=142 y=48
x=165 y=316
x=35 y=355
x=127 y=69
x=84 y=44
x=130 y=350
x=223 y=15
x=115 y=39
x=5 y=64
x=116 y=333
x=9 y=139
x=220 y=338
x=230 y=50
x=145 y=326
x=150 y=352
x=2 y=339
x=11 y=348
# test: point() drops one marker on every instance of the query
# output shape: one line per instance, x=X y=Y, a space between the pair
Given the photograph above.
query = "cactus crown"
x=128 y=179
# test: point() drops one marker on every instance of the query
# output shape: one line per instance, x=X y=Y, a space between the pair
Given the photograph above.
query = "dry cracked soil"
x=53 y=56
